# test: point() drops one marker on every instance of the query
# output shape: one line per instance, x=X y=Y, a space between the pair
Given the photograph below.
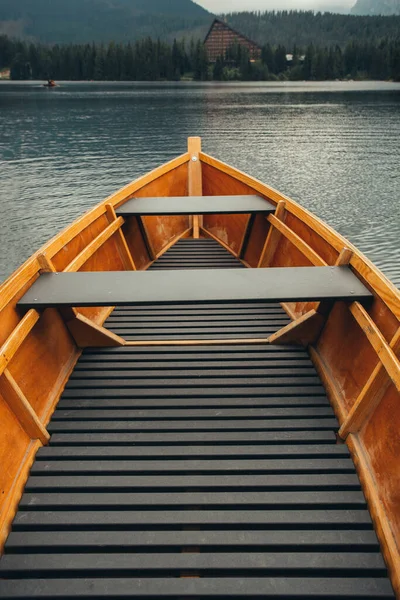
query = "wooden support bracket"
x=89 y=335
x=45 y=264
x=22 y=409
x=304 y=331
x=273 y=237
x=246 y=235
x=122 y=245
x=370 y=396
x=195 y=183
x=146 y=238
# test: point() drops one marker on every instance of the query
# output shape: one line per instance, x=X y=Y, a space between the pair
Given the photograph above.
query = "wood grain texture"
x=16 y=339
x=316 y=228
x=195 y=181
x=387 y=530
x=20 y=407
x=273 y=237
x=385 y=353
x=123 y=249
x=90 y=249
x=330 y=384
x=370 y=396
x=304 y=331
x=16 y=462
x=297 y=241
x=89 y=335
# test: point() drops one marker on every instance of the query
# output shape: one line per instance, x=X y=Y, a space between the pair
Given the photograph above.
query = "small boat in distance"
x=50 y=84
x=199 y=398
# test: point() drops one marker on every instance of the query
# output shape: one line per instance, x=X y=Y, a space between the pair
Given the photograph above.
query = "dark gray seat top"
x=289 y=284
x=195 y=205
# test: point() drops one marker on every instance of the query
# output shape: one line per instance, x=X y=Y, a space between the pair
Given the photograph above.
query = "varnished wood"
x=344 y=257
x=349 y=362
x=330 y=386
x=370 y=395
x=386 y=355
x=389 y=545
x=124 y=252
x=45 y=264
x=222 y=342
x=176 y=239
x=146 y=237
x=195 y=178
x=10 y=503
x=91 y=248
x=87 y=334
x=300 y=244
x=21 y=408
x=371 y=275
x=273 y=236
x=16 y=339
x=304 y=331
x=210 y=235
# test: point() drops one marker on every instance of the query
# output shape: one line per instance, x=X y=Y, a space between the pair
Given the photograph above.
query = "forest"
x=307 y=27
x=155 y=60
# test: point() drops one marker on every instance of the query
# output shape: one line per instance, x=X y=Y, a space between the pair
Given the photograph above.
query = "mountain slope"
x=306 y=27
x=376 y=7
x=100 y=20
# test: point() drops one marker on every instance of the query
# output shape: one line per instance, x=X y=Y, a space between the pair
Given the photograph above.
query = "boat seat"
x=195 y=205
x=288 y=284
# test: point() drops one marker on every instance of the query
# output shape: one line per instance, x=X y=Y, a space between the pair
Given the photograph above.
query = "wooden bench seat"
x=201 y=286
x=195 y=205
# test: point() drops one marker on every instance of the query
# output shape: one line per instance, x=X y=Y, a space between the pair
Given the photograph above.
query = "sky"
x=218 y=6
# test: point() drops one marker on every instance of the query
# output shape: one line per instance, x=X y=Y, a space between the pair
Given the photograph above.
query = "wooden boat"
x=193 y=452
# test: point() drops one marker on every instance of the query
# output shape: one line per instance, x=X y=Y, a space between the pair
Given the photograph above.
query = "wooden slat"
x=124 y=251
x=284 y=540
x=173 y=563
x=271 y=243
x=17 y=338
x=180 y=588
x=385 y=353
x=94 y=245
x=370 y=396
x=22 y=409
x=195 y=183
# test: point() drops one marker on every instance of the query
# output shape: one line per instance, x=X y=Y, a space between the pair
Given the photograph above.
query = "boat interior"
x=199 y=398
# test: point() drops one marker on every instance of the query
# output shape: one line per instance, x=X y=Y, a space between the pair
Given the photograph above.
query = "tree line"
x=307 y=27
x=155 y=60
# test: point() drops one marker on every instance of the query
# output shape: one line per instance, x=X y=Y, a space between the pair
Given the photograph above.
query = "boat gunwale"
x=365 y=270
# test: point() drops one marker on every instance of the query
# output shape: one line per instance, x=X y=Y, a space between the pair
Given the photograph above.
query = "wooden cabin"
x=221 y=37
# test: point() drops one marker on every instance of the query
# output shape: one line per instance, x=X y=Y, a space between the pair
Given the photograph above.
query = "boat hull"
x=355 y=353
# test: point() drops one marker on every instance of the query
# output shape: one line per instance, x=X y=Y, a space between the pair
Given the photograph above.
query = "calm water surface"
x=335 y=148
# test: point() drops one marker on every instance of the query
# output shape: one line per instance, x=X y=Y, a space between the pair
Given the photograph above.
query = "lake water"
x=334 y=147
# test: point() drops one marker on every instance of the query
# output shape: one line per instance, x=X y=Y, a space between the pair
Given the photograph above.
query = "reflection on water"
x=333 y=147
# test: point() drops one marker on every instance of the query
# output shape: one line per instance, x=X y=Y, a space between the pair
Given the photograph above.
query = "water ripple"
x=332 y=147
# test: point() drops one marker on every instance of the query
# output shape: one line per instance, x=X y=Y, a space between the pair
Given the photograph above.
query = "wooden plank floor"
x=194 y=472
